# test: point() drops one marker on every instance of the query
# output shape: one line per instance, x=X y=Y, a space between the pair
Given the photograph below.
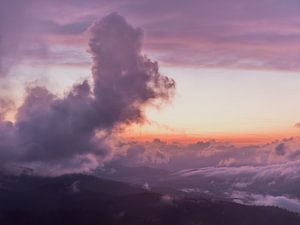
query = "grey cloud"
x=279 y=201
x=280 y=149
x=19 y=33
x=121 y=56
x=74 y=28
x=294 y=155
x=215 y=39
x=179 y=156
x=263 y=172
x=284 y=202
x=51 y=130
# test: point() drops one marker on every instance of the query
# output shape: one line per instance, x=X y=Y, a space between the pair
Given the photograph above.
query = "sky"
x=177 y=71
x=235 y=63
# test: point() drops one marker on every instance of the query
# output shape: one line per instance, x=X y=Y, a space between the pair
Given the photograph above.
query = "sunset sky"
x=195 y=100
x=235 y=63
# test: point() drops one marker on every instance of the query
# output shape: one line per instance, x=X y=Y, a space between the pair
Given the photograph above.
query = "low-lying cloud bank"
x=178 y=156
x=266 y=174
x=215 y=167
x=284 y=202
x=73 y=132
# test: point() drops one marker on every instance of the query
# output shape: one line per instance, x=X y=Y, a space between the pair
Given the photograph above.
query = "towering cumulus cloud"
x=124 y=79
x=64 y=132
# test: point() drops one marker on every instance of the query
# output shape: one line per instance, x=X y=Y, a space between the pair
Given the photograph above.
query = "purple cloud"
x=232 y=34
x=297 y=125
x=54 y=130
x=291 y=204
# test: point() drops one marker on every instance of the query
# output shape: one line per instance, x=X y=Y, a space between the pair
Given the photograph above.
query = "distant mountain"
x=87 y=200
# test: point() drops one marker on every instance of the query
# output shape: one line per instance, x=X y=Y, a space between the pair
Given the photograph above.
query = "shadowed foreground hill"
x=81 y=199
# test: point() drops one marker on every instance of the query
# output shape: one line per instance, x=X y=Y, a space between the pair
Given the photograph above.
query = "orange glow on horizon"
x=236 y=139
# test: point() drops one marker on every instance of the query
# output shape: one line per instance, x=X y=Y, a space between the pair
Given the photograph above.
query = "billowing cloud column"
x=62 y=132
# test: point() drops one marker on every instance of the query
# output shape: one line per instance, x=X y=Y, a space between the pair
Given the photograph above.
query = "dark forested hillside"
x=82 y=199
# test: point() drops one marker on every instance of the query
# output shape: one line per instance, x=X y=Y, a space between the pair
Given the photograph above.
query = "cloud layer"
x=232 y=34
x=235 y=34
x=284 y=202
x=178 y=156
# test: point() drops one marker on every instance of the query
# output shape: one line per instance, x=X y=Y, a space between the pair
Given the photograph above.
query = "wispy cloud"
x=233 y=34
